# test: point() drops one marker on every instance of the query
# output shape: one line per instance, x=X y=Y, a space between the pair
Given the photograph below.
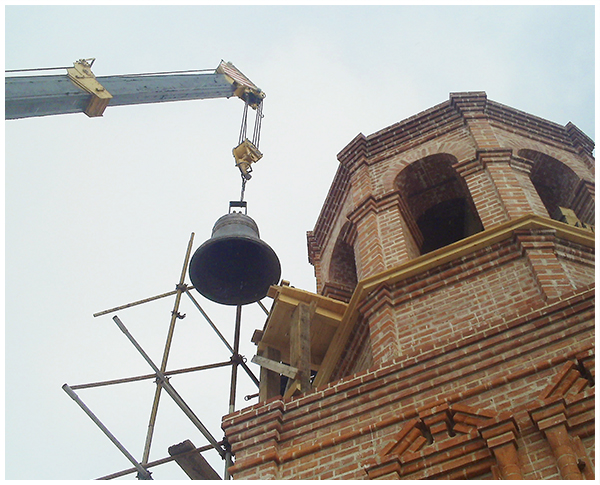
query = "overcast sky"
x=99 y=211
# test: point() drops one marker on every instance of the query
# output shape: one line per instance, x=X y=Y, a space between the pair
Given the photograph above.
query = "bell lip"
x=242 y=301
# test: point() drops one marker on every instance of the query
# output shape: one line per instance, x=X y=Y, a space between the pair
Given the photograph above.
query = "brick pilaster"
x=501 y=438
x=254 y=437
x=540 y=249
x=550 y=418
x=486 y=198
x=378 y=311
x=512 y=195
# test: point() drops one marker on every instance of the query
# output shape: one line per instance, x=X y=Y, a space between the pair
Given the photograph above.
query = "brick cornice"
x=355 y=152
x=470 y=104
x=373 y=204
x=580 y=140
x=335 y=197
x=490 y=156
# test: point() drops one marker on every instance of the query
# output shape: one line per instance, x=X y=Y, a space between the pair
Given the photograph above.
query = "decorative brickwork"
x=461 y=242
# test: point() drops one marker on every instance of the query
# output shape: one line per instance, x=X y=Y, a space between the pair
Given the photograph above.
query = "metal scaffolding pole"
x=210 y=322
x=232 y=389
x=236 y=358
x=135 y=303
x=242 y=363
x=162 y=379
x=163 y=366
x=150 y=376
x=142 y=472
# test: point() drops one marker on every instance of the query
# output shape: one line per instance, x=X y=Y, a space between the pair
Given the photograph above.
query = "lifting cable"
x=255 y=139
x=38 y=69
x=257 y=125
x=244 y=180
x=244 y=126
x=187 y=71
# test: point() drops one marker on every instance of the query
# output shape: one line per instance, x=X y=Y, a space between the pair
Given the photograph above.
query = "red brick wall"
x=495 y=150
x=338 y=430
x=473 y=361
x=478 y=331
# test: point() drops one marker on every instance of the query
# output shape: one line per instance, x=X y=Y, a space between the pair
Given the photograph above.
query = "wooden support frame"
x=192 y=462
x=275 y=365
x=270 y=370
x=300 y=354
x=296 y=336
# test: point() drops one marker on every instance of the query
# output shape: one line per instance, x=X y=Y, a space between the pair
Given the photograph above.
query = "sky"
x=99 y=212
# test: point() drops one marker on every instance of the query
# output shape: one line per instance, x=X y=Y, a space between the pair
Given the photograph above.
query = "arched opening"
x=439 y=201
x=342 y=271
x=559 y=187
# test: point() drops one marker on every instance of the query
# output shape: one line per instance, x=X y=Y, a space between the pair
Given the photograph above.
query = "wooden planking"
x=275 y=366
x=300 y=343
x=327 y=316
x=192 y=462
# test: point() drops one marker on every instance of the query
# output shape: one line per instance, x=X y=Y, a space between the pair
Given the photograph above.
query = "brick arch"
x=342 y=275
x=438 y=199
x=459 y=155
x=559 y=186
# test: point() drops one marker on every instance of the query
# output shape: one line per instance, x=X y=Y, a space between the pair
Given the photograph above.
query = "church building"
x=451 y=334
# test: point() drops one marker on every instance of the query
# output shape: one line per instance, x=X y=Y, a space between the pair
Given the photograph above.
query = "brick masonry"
x=472 y=360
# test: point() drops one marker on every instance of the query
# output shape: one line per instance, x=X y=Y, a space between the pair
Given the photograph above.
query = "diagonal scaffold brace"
x=143 y=474
x=170 y=390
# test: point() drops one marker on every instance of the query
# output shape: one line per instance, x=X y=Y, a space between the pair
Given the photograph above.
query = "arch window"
x=439 y=201
x=559 y=188
x=342 y=277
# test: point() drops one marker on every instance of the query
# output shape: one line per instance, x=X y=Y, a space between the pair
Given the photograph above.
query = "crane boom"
x=80 y=91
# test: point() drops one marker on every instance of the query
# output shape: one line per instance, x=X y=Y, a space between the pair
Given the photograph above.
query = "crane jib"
x=31 y=96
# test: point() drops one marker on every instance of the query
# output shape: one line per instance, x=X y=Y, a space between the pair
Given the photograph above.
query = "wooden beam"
x=275 y=366
x=270 y=372
x=192 y=462
x=300 y=343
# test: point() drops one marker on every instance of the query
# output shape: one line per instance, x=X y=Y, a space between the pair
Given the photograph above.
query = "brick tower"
x=452 y=331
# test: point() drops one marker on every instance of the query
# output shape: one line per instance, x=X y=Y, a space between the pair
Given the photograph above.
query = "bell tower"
x=451 y=334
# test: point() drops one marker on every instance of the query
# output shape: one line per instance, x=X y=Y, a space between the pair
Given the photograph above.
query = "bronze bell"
x=234 y=267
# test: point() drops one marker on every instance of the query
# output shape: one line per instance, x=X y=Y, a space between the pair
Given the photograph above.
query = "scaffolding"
x=185 y=454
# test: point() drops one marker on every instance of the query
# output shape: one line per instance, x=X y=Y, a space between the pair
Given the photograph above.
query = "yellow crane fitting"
x=245 y=155
x=81 y=74
x=245 y=89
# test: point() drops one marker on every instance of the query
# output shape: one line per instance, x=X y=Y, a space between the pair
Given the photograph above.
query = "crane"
x=80 y=91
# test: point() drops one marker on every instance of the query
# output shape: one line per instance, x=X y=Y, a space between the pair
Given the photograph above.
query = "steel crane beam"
x=33 y=96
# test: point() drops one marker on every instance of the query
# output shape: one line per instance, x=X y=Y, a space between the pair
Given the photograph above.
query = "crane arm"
x=80 y=91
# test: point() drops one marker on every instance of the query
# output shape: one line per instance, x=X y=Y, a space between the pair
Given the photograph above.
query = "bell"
x=234 y=267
